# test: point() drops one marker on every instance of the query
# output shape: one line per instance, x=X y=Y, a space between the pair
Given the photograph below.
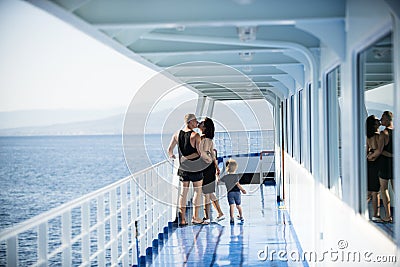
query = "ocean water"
x=38 y=173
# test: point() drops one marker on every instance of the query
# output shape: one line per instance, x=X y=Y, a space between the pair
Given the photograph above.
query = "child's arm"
x=241 y=188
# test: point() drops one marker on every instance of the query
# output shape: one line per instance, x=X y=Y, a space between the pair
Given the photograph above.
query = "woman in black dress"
x=208 y=154
x=374 y=149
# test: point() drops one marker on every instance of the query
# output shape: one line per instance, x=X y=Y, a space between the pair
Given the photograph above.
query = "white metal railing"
x=111 y=226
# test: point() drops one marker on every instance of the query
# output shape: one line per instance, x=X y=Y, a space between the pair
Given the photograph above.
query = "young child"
x=233 y=187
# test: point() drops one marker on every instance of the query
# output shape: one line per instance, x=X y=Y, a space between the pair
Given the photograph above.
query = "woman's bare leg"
x=375 y=203
x=216 y=205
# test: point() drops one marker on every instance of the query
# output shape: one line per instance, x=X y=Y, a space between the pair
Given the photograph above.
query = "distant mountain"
x=108 y=126
x=35 y=118
x=232 y=117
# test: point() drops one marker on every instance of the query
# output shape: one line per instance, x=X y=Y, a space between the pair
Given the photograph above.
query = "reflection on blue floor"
x=257 y=241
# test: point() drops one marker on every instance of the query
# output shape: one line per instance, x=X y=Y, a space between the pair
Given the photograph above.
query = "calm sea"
x=40 y=173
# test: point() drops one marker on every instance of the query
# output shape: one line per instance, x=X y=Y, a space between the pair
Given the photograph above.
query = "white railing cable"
x=100 y=228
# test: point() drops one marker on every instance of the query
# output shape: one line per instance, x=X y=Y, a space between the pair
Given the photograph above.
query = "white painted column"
x=210 y=109
x=200 y=105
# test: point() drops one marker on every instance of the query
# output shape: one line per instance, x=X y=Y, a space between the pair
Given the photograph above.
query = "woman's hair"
x=371 y=128
x=231 y=165
x=210 y=129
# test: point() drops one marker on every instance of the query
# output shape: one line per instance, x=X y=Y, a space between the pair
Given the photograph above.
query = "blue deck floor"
x=266 y=227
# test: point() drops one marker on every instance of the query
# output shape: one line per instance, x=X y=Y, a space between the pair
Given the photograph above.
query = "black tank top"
x=389 y=146
x=184 y=143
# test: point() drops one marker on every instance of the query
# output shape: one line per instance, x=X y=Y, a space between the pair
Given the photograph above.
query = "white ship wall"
x=322 y=219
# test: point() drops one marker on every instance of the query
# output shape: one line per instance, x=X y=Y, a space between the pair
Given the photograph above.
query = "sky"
x=47 y=64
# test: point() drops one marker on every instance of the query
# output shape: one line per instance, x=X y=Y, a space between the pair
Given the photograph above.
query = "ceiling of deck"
x=246 y=35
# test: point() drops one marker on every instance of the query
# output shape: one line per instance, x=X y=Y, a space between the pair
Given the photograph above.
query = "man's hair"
x=388 y=114
x=231 y=165
x=189 y=117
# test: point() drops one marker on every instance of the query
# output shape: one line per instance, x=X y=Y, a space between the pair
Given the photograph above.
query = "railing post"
x=100 y=230
x=133 y=229
x=124 y=225
x=12 y=251
x=42 y=244
x=66 y=238
x=113 y=227
x=142 y=216
x=85 y=233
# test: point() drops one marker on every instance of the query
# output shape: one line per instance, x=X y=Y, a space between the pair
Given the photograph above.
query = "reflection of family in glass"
x=198 y=164
x=380 y=164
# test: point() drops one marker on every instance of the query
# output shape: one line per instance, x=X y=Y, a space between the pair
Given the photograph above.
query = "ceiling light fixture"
x=247 y=33
x=180 y=28
x=246 y=56
x=247 y=68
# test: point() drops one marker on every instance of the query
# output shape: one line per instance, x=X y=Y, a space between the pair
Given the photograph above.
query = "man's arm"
x=378 y=150
x=172 y=144
x=197 y=140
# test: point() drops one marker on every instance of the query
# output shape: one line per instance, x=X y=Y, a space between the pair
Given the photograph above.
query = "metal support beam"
x=210 y=109
x=280 y=90
x=287 y=81
x=296 y=71
x=201 y=100
x=331 y=33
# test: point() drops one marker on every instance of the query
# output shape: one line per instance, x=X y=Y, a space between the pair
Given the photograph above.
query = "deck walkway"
x=266 y=227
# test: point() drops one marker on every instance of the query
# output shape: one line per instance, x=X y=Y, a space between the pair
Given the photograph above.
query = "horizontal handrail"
x=245 y=131
x=41 y=218
x=121 y=201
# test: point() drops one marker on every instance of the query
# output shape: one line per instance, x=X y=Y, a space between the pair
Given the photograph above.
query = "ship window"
x=300 y=110
x=309 y=127
x=287 y=125
x=333 y=135
x=292 y=125
x=375 y=72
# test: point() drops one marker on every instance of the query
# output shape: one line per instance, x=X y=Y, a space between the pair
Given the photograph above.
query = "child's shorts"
x=234 y=198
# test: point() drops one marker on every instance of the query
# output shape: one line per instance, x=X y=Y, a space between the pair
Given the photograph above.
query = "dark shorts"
x=386 y=168
x=234 y=198
x=192 y=177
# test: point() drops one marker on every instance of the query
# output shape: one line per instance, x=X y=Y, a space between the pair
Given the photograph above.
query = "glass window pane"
x=333 y=100
x=375 y=70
